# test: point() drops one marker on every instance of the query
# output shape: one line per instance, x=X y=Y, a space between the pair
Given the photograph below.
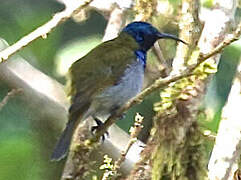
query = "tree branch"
x=37 y=89
x=43 y=30
x=162 y=82
x=134 y=132
x=227 y=148
x=115 y=23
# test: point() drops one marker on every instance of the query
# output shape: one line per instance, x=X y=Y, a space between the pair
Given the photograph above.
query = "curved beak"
x=169 y=36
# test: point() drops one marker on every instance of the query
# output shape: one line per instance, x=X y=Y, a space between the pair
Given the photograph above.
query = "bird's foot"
x=99 y=126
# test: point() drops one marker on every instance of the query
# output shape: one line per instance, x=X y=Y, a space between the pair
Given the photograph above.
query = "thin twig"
x=162 y=82
x=112 y=170
x=162 y=62
x=9 y=95
x=114 y=24
x=43 y=30
x=135 y=130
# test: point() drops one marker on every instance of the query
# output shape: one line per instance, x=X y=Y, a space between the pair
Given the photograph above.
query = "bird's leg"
x=98 y=126
x=99 y=123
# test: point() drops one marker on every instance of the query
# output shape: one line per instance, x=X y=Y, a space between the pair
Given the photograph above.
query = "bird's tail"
x=63 y=144
x=75 y=111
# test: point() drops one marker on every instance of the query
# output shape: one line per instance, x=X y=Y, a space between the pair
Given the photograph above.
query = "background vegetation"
x=24 y=152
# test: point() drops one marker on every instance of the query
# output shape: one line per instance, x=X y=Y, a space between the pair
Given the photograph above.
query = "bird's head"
x=146 y=35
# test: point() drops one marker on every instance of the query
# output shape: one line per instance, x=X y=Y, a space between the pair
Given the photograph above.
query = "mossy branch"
x=162 y=82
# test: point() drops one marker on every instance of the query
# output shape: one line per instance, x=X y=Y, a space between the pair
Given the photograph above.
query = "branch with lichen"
x=163 y=82
x=175 y=137
x=165 y=153
x=145 y=9
x=160 y=83
x=190 y=31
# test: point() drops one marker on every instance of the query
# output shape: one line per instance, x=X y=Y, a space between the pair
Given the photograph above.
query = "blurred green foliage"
x=23 y=155
x=220 y=85
x=18 y=159
x=207 y=3
x=19 y=146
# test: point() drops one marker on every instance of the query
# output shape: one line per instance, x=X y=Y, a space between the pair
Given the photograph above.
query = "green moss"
x=182 y=161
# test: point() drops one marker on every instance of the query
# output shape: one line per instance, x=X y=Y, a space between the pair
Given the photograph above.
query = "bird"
x=102 y=81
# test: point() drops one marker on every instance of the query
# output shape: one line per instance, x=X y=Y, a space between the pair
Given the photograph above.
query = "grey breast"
x=128 y=86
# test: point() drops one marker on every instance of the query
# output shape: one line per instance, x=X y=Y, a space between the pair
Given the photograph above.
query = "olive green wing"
x=99 y=69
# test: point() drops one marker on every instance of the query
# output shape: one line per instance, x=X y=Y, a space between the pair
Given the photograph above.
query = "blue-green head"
x=146 y=35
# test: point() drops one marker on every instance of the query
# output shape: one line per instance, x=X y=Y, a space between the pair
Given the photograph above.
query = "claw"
x=99 y=125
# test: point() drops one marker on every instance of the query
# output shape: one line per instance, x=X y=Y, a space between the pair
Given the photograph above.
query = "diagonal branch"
x=43 y=30
x=162 y=82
